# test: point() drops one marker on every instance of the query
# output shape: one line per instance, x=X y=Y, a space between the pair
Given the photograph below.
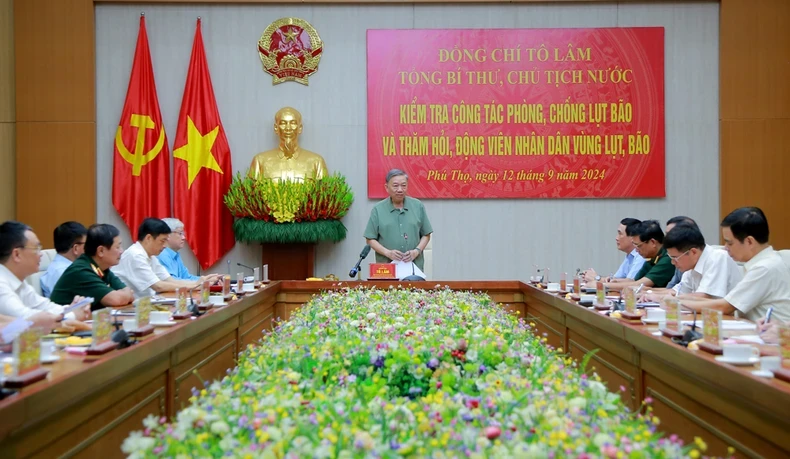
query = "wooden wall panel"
x=55 y=182
x=211 y=363
x=754 y=43
x=755 y=159
x=7 y=115
x=689 y=418
x=7 y=61
x=55 y=60
x=55 y=113
x=755 y=110
x=7 y=169
x=616 y=373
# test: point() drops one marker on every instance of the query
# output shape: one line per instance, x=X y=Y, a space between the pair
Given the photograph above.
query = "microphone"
x=365 y=251
x=193 y=308
x=122 y=338
x=413 y=277
x=693 y=334
x=245 y=266
x=689 y=335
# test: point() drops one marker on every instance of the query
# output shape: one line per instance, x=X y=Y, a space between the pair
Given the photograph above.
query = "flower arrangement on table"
x=289 y=211
x=405 y=373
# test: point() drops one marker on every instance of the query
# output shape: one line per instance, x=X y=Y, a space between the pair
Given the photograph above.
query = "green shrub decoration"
x=289 y=211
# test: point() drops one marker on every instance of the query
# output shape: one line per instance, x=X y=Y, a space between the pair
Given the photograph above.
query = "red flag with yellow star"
x=141 y=160
x=202 y=168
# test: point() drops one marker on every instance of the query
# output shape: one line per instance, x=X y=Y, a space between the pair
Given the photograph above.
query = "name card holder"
x=142 y=312
x=18 y=382
x=382 y=271
x=672 y=306
x=182 y=311
x=205 y=292
x=783 y=373
x=711 y=332
x=102 y=333
x=629 y=297
x=265 y=279
x=27 y=352
x=226 y=293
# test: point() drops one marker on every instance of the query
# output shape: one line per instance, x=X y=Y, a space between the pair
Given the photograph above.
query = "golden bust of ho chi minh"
x=289 y=160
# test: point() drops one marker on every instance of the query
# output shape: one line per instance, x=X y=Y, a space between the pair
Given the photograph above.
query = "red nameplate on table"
x=382 y=271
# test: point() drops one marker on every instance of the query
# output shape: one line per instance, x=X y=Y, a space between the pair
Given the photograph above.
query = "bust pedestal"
x=289 y=261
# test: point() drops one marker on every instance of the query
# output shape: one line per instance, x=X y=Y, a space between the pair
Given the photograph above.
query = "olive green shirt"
x=659 y=269
x=398 y=229
x=85 y=278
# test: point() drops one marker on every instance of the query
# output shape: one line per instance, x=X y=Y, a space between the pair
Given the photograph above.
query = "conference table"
x=88 y=405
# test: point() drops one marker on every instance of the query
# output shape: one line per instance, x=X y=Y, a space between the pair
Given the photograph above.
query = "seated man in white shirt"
x=633 y=261
x=708 y=273
x=671 y=223
x=140 y=269
x=767 y=280
x=20 y=254
x=69 y=244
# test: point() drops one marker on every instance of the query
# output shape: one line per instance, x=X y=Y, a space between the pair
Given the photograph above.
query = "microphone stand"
x=245 y=266
x=689 y=335
x=121 y=336
x=194 y=308
x=355 y=270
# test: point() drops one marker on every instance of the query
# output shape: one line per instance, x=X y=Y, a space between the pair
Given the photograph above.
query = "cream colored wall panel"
x=474 y=239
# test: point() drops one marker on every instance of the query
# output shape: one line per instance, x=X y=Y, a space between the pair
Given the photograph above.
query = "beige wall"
x=475 y=239
x=7 y=115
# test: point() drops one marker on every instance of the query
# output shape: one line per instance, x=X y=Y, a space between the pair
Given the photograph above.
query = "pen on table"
x=767 y=317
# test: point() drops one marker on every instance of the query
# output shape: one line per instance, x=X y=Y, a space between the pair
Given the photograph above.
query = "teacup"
x=770 y=363
x=553 y=286
x=655 y=314
x=130 y=324
x=158 y=317
x=216 y=299
x=248 y=287
x=47 y=349
x=740 y=352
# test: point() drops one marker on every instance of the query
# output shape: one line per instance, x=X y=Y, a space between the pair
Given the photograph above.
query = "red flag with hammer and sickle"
x=141 y=160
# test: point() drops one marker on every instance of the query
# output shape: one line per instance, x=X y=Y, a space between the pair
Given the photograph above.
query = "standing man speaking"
x=398 y=228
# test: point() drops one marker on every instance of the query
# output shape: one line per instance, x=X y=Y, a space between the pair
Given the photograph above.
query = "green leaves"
x=289 y=201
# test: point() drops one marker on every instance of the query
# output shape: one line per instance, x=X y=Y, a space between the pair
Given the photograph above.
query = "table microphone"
x=122 y=338
x=365 y=251
x=245 y=266
x=689 y=335
x=193 y=308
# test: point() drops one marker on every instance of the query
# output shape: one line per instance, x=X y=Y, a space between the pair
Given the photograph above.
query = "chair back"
x=35 y=279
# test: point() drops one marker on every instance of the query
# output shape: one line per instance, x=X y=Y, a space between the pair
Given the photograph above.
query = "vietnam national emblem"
x=290 y=49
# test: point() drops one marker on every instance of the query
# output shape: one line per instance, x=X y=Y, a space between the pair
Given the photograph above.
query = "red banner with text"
x=517 y=113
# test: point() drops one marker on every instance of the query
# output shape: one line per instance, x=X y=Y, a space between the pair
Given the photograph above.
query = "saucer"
x=55 y=358
x=763 y=373
x=731 y=361
x=645 y=320
x=169 y=323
